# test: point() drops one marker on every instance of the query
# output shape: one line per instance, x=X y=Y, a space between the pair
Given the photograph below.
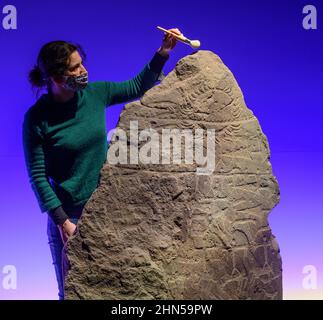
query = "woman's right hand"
x=67 y=229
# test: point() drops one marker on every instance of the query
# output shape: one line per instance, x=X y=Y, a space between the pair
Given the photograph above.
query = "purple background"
x=277 y=64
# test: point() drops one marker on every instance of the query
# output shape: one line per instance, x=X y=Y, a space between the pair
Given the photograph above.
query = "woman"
x=64 y=134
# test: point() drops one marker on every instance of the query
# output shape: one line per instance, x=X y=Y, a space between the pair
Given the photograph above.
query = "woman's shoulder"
x=36 y=110
x=96 y=85
x=97 y=90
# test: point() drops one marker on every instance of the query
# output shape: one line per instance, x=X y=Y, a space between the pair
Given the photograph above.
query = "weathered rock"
x=162 y=231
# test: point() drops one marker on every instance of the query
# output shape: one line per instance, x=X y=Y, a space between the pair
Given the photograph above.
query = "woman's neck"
x=61 y=95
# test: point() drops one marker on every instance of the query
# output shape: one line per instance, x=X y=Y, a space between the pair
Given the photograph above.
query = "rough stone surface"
x=163 y=232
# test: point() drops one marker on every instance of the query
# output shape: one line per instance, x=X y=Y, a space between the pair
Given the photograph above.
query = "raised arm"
x=134 y=88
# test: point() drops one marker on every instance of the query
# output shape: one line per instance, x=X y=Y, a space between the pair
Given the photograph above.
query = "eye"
x=74 y=68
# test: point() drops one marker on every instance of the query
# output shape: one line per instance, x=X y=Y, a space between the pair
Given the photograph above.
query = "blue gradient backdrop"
x=277 y=64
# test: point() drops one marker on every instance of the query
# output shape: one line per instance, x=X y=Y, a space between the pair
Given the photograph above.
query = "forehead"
x=74 y=58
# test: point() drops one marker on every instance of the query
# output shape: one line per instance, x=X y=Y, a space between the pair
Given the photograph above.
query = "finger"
x=173 y=43
x=172 y=31
x=175 y=30
x=166 y=36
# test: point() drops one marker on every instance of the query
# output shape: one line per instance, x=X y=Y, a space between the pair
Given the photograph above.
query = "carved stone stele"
x=163 y=231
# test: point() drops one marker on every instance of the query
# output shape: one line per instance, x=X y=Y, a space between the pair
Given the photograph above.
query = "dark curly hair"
x=53 y=60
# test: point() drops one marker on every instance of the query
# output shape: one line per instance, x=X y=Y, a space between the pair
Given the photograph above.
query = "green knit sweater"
x=65 y=144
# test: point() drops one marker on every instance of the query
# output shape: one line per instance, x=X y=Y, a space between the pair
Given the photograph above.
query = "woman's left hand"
x=169 y=41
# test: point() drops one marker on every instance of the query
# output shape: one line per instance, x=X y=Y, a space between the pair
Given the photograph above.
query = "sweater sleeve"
x=58 y=215
x=35 y=164
x=119 y=92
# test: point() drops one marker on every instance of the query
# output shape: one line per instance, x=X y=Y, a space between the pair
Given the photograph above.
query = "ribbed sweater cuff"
x=157 y=62
x=58 y=215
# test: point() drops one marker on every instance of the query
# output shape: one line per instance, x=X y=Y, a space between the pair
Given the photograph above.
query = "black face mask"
x=76 y=82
